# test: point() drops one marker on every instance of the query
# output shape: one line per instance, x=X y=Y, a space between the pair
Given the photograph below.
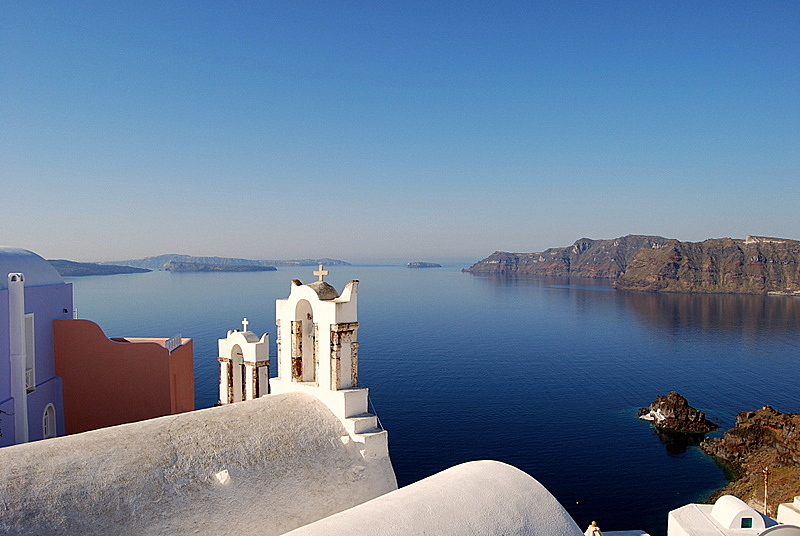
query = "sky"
x=420 y=130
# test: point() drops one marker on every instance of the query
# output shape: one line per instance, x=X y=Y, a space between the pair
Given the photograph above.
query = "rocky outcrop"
x=605 y=259
x=764 y=438
x=756 y=265
x=673 y=413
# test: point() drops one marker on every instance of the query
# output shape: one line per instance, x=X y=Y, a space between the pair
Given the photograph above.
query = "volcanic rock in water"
x=673 y=412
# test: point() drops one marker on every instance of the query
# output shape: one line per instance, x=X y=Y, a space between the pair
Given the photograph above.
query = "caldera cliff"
x=754 y=265
x=605 y=259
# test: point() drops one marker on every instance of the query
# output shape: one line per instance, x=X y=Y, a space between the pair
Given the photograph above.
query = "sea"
x=543 y=374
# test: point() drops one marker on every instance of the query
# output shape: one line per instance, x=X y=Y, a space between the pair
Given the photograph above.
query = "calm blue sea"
x=546 y=375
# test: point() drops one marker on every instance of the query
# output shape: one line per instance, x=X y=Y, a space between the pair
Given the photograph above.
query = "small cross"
x=245 y=322
x=321 y=273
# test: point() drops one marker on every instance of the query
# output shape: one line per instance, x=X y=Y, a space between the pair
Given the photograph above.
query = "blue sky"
x=418 y=130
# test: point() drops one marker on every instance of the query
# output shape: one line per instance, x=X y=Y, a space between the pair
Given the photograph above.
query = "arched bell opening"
x=304 y=361
x=237 y=373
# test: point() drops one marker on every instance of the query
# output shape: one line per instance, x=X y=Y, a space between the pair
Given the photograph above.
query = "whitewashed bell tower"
x=318 y=354
x=243 y=365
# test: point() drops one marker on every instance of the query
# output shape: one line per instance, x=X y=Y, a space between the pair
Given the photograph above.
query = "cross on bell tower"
x=321 y=273
x=245 y=323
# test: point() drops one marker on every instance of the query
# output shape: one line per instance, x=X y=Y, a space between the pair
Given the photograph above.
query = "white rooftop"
x=483 y=497
x=729 y=516
x=262 y=467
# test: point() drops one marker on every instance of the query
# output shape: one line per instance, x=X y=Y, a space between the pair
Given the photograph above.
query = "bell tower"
x=317 y=339
x=243 y=365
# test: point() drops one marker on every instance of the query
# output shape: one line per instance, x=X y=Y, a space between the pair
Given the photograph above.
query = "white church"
x=298 y=453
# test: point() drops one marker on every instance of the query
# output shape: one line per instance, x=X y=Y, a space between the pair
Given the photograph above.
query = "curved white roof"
x=782 y=530
x=483 y=497
x=260 y=467
x=38 y=272
x=729 y=510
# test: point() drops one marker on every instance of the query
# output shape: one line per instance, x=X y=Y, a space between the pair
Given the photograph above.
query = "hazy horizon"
x=416 y=130
x=367 y=260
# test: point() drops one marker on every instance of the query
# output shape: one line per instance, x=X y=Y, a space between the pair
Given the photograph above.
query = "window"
x=49 y=421
x=747 y=522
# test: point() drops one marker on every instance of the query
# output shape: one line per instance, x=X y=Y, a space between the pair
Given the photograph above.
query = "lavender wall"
x=47 y=303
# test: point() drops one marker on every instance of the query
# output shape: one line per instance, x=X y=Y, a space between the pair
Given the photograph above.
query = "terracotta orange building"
x=121 y=380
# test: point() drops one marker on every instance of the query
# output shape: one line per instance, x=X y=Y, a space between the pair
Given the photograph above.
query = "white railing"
x=29 y=380
x=173 y=343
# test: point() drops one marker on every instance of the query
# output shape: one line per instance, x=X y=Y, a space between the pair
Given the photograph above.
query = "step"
x=361 y=423
x=375 y=443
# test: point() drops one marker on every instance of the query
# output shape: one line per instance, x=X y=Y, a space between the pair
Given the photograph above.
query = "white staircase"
x=350 y=406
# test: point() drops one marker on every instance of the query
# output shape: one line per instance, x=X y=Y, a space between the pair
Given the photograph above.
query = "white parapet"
x=789 y=513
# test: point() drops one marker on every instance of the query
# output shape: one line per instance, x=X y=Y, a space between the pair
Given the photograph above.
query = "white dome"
x=37 y=271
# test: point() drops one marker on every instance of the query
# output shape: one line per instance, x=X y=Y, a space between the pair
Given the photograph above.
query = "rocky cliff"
x=755 y=265
x=765 y=438
x=606 y=259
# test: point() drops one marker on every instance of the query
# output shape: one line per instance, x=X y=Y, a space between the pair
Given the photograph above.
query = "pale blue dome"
x=37 y=271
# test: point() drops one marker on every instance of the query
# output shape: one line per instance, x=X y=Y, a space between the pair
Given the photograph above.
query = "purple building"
x=32 y=295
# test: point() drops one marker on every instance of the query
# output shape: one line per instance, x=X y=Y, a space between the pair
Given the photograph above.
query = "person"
x=593 y=530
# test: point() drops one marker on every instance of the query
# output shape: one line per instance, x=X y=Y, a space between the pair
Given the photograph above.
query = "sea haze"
x=544 y=374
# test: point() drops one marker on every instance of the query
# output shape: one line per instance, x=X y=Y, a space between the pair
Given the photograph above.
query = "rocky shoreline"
x=765 y=438
x=761 y=439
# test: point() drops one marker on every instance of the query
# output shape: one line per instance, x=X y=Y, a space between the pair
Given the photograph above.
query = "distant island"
x=181 y=263
x=754 y=265
x=423 y=265
x=210 y=267
x=163 y=262
x=76 y=269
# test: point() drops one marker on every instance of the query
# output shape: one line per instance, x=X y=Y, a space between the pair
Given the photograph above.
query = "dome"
x=323 y=290
x=38 y=272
